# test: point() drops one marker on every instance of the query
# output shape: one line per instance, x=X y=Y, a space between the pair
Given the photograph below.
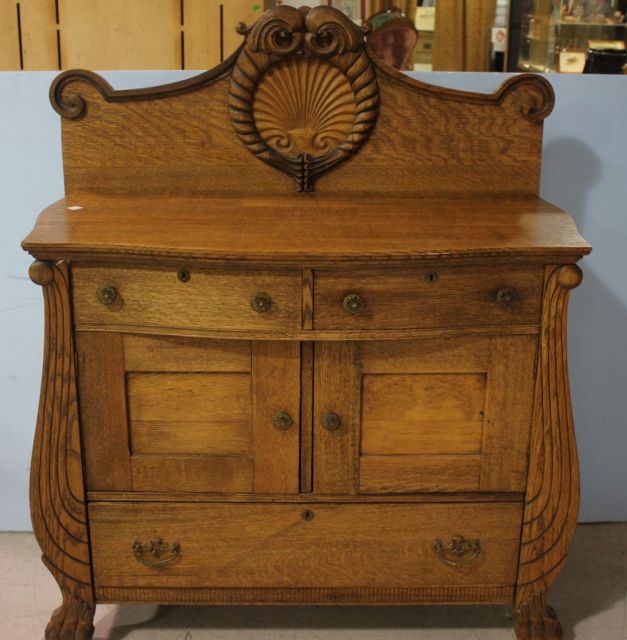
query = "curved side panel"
x=57 y=498
x=552 y=500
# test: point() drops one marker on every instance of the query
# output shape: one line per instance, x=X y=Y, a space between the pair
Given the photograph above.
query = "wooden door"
x=173 y=415
x=448 y=414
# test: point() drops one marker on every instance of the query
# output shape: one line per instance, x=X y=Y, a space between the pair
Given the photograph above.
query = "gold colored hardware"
x=506 y=296
x=331 y=421
x=282 y=421
x=431 y=277
x=261 y=302
x=107 y=295
x=155 y=549
x=184 y=275
x=452 y=551
x=353 y=303
x=308 y=515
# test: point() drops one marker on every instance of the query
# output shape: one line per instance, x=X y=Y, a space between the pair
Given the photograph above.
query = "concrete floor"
x=590 y=597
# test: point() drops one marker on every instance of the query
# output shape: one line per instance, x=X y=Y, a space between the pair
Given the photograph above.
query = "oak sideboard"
x=305 y=338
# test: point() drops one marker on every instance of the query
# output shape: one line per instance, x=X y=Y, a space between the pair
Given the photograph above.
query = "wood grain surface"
x=476 y=143
x=427 y=415
x=306 y=230
x=189 y=413
x=157 y=298
x=403 y=299
x=276 y=389
x=274 y=545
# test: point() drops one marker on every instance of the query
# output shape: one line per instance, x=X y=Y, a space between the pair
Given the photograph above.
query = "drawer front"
x=304 y=545
x=217 y=299
x=428 y=298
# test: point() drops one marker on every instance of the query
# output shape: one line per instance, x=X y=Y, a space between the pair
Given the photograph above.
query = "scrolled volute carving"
x=303 y=95
x=536 y=95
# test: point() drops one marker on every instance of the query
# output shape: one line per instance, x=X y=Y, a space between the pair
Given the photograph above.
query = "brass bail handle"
x=457 y=552
x=150 y=553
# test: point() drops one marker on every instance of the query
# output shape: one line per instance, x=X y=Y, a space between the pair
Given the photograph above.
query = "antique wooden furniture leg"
x=57 y=498
x=552 y=499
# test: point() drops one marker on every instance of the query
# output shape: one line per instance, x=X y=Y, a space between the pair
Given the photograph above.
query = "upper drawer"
x=427 y=298
x=216 y=299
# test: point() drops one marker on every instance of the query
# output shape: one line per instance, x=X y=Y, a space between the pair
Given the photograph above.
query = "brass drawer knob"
x=354 y=304
x=107 y=295
x=506 y=296
x=457 y=552
x=282 y=421
x=151 y=553
x=331 y=421
x=261 y=302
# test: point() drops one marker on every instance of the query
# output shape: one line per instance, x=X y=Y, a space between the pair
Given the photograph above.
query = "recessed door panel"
x=172 y=415
x=426 y=415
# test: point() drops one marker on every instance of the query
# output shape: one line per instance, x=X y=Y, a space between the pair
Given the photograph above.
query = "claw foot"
x=73 y=620
x=535 y=620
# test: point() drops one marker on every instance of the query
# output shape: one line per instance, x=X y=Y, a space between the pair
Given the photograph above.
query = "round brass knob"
x=353 y=303
x=282 y=421
x=107 y=295
x=506 y=296
x=331 y=421
x=261 y=302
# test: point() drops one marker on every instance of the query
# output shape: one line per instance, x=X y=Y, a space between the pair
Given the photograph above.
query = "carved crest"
x=303 y=95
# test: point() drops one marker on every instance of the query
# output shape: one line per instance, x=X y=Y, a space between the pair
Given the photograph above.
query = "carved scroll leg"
x=535 y=620
x=552 y=497
x=57 y=494
x=73 y=620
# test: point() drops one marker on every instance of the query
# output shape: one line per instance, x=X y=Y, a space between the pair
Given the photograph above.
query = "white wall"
x=584 y=171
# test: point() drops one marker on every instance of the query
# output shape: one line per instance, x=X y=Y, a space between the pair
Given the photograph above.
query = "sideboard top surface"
x=298 y=230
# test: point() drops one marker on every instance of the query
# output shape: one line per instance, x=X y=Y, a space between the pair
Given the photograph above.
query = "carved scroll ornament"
x=303 y=95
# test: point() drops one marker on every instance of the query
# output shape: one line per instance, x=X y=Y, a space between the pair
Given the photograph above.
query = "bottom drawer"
x=305 y=547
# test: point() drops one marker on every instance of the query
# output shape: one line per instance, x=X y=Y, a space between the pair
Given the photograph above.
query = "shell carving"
x=304 y=106
x=303 y=95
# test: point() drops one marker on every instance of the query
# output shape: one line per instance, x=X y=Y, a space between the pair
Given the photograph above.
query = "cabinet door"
x=446 y=414
x=173 y=415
